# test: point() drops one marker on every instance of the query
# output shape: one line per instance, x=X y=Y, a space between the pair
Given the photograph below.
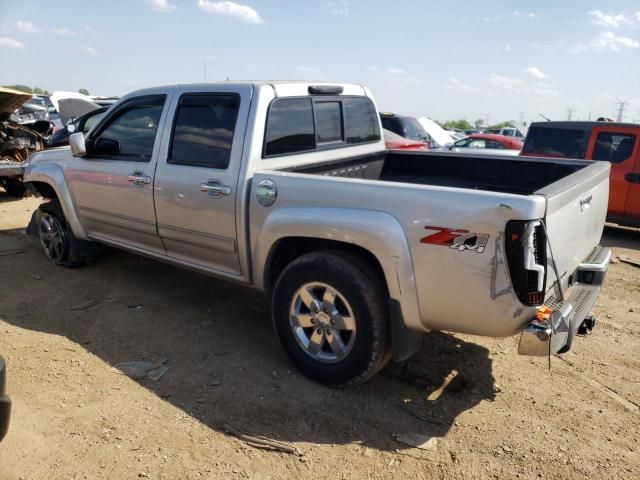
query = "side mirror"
x=71 y=128
x=78 y=147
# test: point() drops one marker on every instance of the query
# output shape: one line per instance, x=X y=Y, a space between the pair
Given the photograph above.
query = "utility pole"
x=522 y=118
x=205 y=71
x=622 y=106
x=570 y=111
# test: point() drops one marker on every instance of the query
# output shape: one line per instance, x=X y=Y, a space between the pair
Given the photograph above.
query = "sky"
x=485 y=60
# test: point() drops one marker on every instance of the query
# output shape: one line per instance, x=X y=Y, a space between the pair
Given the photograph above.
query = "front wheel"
x=56 y=238
x=330 y=314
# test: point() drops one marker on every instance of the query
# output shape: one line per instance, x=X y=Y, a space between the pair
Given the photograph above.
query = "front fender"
x=52 y=174
x=377 y=232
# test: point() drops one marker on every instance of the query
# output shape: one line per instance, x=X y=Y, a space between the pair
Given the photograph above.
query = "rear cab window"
x=556 y=142
x=303 y=124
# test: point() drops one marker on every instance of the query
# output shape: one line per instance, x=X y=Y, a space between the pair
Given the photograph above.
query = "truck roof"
x=581 y=125
x=282 y=88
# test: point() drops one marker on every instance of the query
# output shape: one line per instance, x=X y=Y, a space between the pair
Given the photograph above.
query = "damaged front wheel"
x=56 y=238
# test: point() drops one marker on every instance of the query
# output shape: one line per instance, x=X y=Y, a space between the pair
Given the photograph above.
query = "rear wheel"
x=331 y=317
x=56 y=238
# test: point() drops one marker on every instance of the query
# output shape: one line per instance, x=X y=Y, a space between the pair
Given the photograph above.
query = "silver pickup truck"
x=287 y=187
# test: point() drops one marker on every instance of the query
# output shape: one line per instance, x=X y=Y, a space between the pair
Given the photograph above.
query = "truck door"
x=632 y=208
x=620 y=146
x=112 y=184
x=196 y=186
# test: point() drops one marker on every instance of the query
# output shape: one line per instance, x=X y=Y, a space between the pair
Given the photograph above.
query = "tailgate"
x=576 y=211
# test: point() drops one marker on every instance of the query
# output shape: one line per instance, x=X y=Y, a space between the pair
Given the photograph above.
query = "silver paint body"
x=171 y=218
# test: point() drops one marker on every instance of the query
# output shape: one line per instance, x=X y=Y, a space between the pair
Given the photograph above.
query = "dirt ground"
x=75 y=416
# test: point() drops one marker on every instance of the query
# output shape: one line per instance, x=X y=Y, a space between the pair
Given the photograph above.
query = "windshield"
x=413 y=130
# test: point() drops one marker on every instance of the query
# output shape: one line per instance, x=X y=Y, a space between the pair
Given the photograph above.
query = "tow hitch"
x=587 y=326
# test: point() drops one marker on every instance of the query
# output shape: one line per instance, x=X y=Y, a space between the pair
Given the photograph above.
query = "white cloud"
x=373 y=68
x=507 y=47
x=536 y=72
x=455 y=84
x=27 y=26
x=90 y=50
x=10 y=43
x=615 y=20
x=305 y=69
x=241 y=12
x=395 y=71
x=613 y=42
x=64 y=32
x=517 y=13
x=161 y=6
x=340 y=8
x=506 y=83
x=545 y=90
x=638 y=16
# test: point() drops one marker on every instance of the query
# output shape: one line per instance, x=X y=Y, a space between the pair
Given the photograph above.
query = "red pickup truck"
x=617 y=143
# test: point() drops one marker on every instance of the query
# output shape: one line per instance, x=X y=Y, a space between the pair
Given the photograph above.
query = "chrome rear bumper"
x=555 y=335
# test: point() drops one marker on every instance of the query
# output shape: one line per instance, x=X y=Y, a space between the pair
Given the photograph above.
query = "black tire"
x=50 y=219
x=14 y=187
x=366 y=296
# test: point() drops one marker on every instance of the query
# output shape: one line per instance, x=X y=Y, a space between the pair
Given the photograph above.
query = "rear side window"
x=557 y=142
x=203 y=130
x=290 y=127
x=613 y=147
x=361 y=120
x=316 y=123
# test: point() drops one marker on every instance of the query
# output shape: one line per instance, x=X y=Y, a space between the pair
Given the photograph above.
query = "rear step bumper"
x=555 y=335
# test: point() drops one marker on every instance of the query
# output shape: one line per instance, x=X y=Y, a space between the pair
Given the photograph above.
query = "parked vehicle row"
x=615 y=143
x=288 y=187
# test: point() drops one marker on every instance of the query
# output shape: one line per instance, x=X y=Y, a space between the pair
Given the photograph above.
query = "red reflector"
x=535 y=297
x=514 y=237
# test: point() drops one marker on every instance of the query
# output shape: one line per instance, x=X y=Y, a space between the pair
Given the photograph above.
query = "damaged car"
x=17 y=141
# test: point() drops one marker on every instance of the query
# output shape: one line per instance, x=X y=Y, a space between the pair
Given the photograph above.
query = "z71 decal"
x=461 y=240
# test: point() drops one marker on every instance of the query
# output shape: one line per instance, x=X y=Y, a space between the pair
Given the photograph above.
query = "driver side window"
x=131 y=133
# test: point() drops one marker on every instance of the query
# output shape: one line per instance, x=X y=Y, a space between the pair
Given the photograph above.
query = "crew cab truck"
x=616 y=143
x=288 y=187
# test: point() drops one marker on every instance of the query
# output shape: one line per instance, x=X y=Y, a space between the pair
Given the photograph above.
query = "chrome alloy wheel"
x=52 y=237
x=322 y=322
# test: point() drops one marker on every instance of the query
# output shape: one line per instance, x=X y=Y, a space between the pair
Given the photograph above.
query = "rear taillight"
x=526 y=250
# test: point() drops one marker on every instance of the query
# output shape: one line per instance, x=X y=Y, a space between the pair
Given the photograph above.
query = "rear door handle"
x=138 y=178
x=215 y=188
x=632 y=177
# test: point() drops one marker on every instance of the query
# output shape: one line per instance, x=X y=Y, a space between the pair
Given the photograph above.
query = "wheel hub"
x=322 y=322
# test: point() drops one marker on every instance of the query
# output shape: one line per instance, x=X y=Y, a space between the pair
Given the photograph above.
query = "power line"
x=622 y=106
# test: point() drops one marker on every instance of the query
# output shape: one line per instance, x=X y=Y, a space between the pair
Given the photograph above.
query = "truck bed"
x=503 y=174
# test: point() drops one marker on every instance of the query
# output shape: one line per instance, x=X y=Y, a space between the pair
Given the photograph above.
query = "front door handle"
x=138 y=178
x=215 y=188
x=632 y=177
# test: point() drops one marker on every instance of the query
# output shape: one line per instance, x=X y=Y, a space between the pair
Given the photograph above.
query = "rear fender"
x=377 y=232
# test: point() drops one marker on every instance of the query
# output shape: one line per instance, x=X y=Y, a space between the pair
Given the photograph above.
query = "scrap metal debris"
x=262 y=442
x=629 y=260
x=423 y=442
x=140 y=369
x=437 y=393
x=13 y=251
x=85 y=305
